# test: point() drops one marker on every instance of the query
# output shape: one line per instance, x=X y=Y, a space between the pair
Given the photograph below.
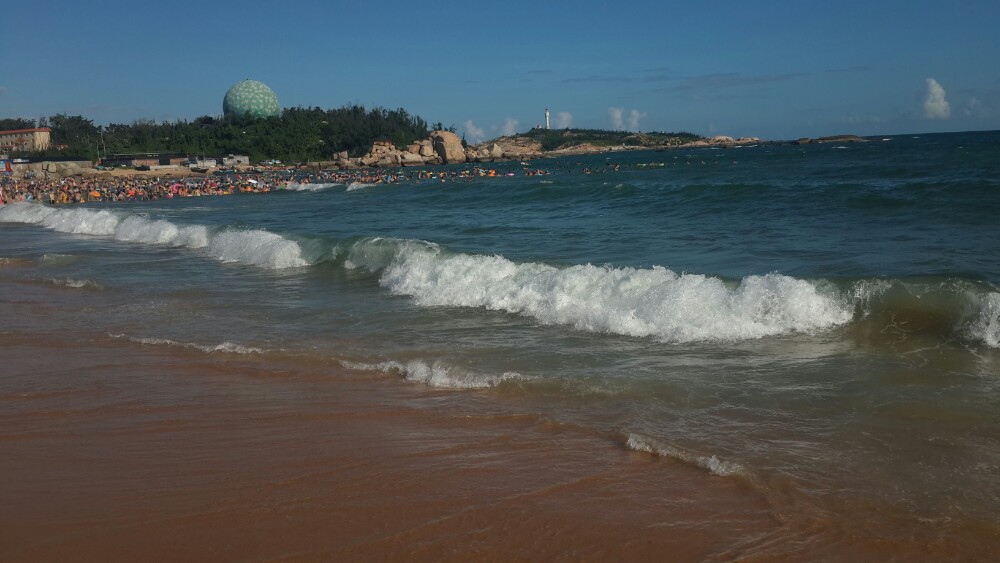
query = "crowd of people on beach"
x=141 y=188
x=136 y=187
x=123 y=188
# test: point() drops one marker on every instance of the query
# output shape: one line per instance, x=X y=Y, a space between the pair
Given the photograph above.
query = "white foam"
x=77 y=284
x=434 y=375
x=145 y=231
x=225 y=347
x=296 y=187
x=257 y=248
x=982 y=320
x=652 y=302
x=711 y=463
x=251 y=247
x=76 y=221
x=358 y=186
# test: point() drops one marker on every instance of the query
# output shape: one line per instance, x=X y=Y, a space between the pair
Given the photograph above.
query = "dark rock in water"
x=842 y=139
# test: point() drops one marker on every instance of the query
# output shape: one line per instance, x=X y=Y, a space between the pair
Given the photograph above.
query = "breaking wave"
x=434 y=375
x=642 y=302
x=256 y=248
x=711 y=463
x=251 y=247
x=652 y=302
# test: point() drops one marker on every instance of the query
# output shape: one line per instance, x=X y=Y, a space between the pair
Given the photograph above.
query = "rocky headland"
x=444 y=147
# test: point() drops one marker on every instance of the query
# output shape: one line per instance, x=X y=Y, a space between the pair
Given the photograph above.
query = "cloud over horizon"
x=935 y=104
x=977 y=109
x=619 y=121
x=509 y=127
x=473 y=134
x=564 y=120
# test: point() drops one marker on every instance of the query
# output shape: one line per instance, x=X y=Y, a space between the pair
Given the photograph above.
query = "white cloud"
x=935 y=104
x=564 y=119
x=616 y=118
x=618 y=121
x=474 y=134
x=633 y=120
x=509 y=127
x=977 y=109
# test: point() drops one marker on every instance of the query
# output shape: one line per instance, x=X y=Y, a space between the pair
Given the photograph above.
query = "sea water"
x=819 y=323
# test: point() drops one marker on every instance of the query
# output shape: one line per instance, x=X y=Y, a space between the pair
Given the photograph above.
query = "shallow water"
x=817 y=325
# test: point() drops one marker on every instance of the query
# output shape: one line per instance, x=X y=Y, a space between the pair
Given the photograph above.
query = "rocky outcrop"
x=426 y=149
x=384 y=154
x=505 y=148
x=410 y=159
x=448 y=146
x=721 y=141
x=55 y=170
x=833 y=139
x=445 y=147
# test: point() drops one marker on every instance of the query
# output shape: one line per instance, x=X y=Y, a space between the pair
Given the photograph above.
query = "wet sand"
x=128 y=452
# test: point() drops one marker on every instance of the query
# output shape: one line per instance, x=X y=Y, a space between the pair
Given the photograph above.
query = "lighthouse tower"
x=546 y=118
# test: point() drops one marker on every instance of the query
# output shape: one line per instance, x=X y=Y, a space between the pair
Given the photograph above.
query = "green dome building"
x=250 y=96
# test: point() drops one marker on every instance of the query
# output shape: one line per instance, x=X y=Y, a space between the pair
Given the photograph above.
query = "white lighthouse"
x=546 y=118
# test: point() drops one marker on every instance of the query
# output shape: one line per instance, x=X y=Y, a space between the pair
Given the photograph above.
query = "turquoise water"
x=820 y=322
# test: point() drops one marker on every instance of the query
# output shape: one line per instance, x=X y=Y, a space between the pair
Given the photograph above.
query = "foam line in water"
x=711 y=463
x=296 y=187
x=225 y=347
x=433 y=375
x=251 y=247
x=77 y=284
x=652 y=302
x=359 y=186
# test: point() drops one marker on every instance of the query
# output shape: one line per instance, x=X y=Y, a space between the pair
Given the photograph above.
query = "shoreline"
x=146 y=450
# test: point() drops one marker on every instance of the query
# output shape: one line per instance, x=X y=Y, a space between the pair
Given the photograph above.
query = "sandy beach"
x=117 y=451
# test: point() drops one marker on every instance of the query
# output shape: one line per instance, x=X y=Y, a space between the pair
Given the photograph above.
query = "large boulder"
x=448 y=146
x=389 y=160
x=494 y=150
x=426 y=149
x=411 y=159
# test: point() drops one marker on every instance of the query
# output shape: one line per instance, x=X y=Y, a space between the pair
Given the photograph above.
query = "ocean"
x=811 y=332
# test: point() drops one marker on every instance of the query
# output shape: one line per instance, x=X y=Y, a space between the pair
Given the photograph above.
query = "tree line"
x=297 y=135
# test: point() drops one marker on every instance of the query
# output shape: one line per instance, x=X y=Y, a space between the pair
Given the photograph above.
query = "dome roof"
x=250 y=96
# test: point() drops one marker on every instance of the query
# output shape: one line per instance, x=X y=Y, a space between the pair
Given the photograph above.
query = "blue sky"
x=776 y=70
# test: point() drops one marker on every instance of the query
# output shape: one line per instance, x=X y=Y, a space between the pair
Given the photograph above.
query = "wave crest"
x=711 y=463
x=256 y=248
x=252 y=247
x=434 y=375
x=652 y=302
x=982 y=320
